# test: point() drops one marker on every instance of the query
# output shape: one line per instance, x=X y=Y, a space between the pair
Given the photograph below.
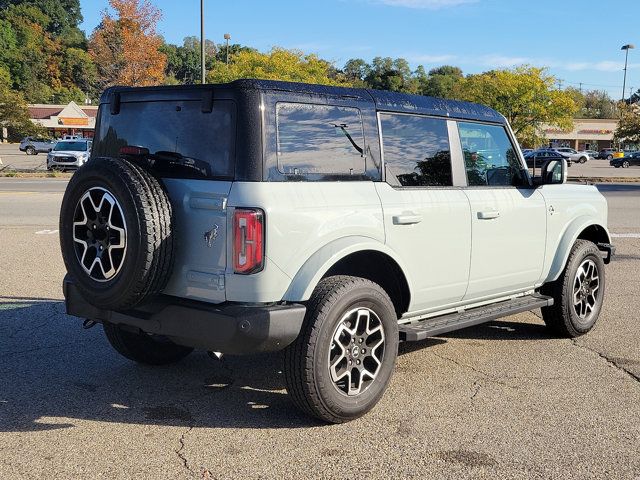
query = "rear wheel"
x=609 y=157
x=144 y=348
x=578 y=293
x=340 y=364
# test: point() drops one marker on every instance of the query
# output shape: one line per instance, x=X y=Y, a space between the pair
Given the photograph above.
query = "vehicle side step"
x=430 y=327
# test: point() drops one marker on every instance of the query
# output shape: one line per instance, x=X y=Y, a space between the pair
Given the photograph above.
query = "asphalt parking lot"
x=503 y=400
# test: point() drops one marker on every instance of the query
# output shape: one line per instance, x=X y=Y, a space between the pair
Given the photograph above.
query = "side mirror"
x=554 y=172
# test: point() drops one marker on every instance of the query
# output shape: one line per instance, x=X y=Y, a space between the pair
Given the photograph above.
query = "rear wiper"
x=343 y=127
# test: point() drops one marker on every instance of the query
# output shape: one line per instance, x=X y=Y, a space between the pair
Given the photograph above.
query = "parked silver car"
x=69 y=154
x=36 y=145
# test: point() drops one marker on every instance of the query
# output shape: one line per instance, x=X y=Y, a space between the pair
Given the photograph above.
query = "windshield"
x=71 y=147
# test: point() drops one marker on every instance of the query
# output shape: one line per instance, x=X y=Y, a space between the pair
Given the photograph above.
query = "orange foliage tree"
x=125 y=48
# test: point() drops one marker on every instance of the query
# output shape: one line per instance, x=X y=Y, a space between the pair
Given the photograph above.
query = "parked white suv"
x=327 y=222
x=574 y=155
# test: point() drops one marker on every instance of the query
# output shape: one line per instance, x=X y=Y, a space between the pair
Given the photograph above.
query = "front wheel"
x=583 y=159
x=578 y=293
x=30 y=151
x=340 y=364
x=625 y=164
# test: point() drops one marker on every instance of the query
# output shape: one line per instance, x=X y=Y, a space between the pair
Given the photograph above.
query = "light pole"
x=626 y=48
x=203 y=72
x=227 y=37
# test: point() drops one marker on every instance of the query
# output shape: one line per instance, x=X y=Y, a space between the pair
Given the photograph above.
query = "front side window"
x=489 y=156
x=416 y=151
x=319 y=139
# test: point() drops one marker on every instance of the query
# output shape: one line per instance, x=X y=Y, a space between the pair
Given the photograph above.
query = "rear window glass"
x=320 y=139
x=175 y=138
x=416 y=151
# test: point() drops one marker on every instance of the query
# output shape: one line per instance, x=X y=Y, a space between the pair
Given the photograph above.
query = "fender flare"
x=317 y=265
x=569 y=237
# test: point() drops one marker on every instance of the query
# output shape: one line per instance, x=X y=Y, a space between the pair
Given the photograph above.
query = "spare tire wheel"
x=116 y=233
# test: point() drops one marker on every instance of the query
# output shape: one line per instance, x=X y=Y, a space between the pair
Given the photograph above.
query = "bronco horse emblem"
x=211 y=235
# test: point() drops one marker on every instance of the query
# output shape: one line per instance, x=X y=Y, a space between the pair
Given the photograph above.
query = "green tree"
x=14 y=115
x=525 y=95
x=629 y=125
x=278 y=64
x=390 y=74
x=62 y=14
x=441 y=81
x=598 y=104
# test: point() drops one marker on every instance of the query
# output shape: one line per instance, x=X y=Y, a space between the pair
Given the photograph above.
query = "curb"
x=604 y=179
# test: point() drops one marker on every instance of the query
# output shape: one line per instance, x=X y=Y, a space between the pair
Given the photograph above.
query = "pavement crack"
x=607 y=359
x=488 y=377
x=180 y=451
x=476 y=388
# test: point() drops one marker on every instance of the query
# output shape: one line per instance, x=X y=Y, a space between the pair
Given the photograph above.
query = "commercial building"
x=68 y=119
x=587 y=134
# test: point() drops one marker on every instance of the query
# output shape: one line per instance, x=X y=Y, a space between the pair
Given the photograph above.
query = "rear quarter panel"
x=300 y=219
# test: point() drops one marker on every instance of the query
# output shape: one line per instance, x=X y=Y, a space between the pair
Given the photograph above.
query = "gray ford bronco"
x=327 y=222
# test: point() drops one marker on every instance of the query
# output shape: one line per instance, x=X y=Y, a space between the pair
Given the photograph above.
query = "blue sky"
x=579 y=40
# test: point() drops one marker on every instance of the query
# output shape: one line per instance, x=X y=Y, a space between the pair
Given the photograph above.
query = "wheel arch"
x=356 y=256
x=581 y=228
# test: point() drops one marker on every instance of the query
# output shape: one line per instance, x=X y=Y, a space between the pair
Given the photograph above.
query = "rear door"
x=426 y=217
x=191 y=149
x=508 y=220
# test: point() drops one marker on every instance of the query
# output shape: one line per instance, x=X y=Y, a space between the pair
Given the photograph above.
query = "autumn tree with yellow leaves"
x=126 y=47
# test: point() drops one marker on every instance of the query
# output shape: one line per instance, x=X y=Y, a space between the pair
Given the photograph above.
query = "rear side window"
x=416 y=151
x=322 y=139
x=175 y=138
x=489 y=156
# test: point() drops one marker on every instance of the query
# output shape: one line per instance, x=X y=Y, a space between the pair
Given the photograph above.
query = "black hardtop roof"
x=384 y=100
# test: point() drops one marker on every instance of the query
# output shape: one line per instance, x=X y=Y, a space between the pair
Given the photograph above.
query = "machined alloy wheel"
x=578 y=293
x=625 y=164
x=586 y=289
x=99 y=234
x=357 y=351
x=30 y=151
x=340 y=364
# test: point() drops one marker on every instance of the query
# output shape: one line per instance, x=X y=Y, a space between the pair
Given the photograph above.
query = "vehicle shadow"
x=55 y=373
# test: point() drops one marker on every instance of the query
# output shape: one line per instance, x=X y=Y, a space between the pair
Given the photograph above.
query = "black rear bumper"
x=229 y=328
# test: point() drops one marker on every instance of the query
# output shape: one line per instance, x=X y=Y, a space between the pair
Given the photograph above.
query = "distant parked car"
x=539 y=158
x=543 y=155
x=36 y=145
x=69 y=155
x=626 y=161
x=606 y=153
x=576 y=156
x=526 y=150
x=592 y=153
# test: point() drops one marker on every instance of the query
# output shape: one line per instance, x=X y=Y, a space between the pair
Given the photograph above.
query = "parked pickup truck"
x=328 y=222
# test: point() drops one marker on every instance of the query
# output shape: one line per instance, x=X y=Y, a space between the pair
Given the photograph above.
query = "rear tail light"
x=248 y=240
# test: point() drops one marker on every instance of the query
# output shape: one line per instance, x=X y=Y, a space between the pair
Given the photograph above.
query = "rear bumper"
x=232 y=328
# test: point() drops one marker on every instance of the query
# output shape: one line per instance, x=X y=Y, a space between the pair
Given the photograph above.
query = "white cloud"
x=430 y=4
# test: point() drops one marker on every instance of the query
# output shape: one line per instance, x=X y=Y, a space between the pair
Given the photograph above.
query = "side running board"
x=430 y=327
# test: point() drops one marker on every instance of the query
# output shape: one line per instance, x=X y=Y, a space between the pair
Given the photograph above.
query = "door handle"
x=488 y=215
x=408 y=218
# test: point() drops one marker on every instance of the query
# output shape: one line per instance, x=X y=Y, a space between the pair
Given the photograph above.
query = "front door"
x=508 y=222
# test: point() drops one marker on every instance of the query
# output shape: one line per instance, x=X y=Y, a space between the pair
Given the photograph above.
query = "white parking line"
x=46 y=232
x=625 y=235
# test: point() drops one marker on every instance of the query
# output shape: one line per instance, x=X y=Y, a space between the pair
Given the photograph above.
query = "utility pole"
x=227 y=37
x=580 y=87
x=626 y=49
x=203 y=72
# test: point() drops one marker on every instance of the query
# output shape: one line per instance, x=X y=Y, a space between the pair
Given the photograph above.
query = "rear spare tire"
x=116 y=233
